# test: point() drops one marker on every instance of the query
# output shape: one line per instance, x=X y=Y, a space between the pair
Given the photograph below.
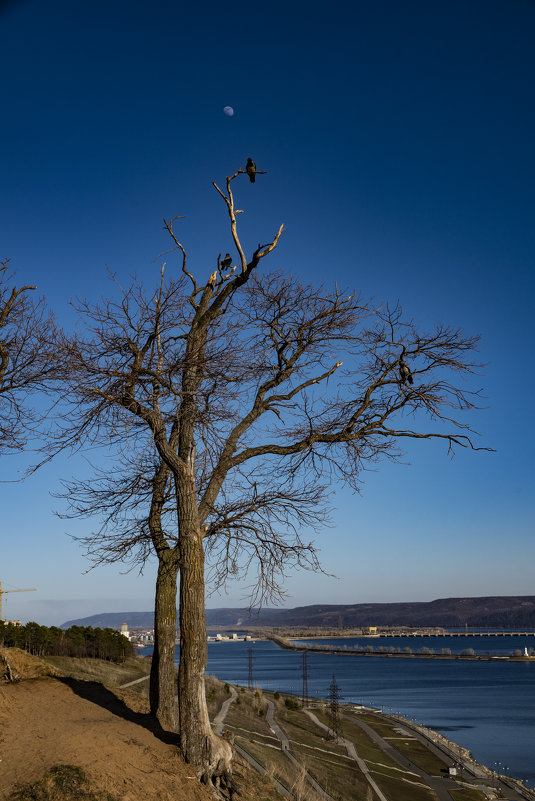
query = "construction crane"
x=2 y=592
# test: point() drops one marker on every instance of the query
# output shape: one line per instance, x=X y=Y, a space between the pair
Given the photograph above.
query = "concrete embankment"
x=333 y=649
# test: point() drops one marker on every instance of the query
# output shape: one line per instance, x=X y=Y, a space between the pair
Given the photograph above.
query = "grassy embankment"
x=111 y=674
x=327 y=761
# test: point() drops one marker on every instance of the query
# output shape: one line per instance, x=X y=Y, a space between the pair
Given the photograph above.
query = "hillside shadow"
x=98 y=694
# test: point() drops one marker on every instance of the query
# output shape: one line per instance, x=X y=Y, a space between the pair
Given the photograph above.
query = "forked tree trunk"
x=163 y=701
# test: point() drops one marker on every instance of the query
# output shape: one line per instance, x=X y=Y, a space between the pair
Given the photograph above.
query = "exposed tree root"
x=217 y=770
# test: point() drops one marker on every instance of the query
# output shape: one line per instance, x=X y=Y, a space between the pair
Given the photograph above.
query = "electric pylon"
x=334 y=709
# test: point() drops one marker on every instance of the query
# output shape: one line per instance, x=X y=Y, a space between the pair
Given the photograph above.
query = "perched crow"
x=227 y=261
x=250 y=168
x=405 y=373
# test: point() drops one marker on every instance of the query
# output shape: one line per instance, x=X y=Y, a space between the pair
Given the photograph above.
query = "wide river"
x=486 y=706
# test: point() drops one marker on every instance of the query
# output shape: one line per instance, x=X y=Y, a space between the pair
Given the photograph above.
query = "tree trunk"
x=163 y=702
x=199 y=745
x=194 y=721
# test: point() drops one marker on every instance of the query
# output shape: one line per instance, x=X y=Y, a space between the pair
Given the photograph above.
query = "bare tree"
x=26 y=366
x=239 y=378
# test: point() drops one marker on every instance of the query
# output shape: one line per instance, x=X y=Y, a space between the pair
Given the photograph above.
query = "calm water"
x=488 y=707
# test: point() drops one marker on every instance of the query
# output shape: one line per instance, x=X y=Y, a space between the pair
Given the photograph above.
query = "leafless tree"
x=242 y=377
x=26 y=366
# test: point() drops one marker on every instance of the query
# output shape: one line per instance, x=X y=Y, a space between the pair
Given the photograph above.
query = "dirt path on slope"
x=50 y=721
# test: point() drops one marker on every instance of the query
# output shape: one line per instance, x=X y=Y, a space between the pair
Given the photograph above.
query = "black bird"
x=250 y=168
x=404 y=373
x=227 y=261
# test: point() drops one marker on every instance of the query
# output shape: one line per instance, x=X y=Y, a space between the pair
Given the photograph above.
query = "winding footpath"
x=285 y=744
x=351 y=752
x=217 y=724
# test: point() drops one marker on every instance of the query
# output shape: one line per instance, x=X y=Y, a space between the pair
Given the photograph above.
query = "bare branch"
x=26 y=361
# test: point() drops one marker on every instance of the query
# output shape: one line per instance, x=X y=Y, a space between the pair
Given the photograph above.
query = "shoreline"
x=463 y=756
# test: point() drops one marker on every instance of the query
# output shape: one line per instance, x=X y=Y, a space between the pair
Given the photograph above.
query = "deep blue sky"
x=398 y=140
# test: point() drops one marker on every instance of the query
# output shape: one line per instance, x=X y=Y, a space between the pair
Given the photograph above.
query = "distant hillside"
x=492 y=612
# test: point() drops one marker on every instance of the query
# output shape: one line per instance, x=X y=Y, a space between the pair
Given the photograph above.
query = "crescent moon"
x=229 y=111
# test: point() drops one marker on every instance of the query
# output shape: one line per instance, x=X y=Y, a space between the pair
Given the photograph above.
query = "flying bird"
x=405 y=373
x=226 y=262
x=250 y=169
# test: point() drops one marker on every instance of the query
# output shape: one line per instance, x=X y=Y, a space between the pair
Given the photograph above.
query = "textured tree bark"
x=195 y=729
x=199 y=745
x=163 y=702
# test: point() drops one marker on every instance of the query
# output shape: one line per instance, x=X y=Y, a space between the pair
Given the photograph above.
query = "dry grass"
x=23 y=665
x=217 y=693
x=299 y=727
x=410 y=747
x=111 y=674
x=467 y=794
x=340 y=777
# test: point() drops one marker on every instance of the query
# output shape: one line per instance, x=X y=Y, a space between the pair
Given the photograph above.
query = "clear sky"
x=398 y=140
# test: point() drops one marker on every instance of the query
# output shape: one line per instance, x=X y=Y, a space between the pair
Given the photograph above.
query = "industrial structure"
x=3 y=592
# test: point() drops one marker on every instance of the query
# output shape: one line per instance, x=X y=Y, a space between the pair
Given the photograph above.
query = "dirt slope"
x=49 y=721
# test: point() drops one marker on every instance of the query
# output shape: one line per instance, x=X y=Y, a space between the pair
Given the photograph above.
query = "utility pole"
x=3 y=592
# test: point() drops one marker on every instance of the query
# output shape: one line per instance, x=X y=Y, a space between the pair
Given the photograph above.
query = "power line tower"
x=304 y=671
x=335 y=723
x=250 y=675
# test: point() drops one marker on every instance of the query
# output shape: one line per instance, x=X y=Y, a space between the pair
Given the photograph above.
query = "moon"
x=229 y=111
